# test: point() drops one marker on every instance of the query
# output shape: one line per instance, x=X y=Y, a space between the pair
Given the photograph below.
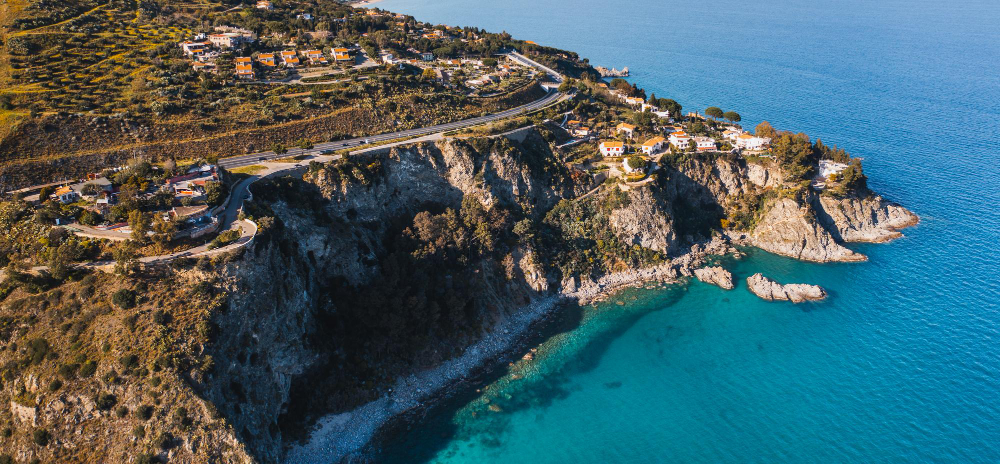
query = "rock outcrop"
x=715 y=275
x=770 y=290
x=788 y=229
x=871 y=219
x=645 y=221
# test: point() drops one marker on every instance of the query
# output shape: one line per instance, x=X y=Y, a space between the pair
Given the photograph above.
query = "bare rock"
x=789 y=229
x=715 y=275
x=871 y=219
x=24 y=414
x=770 y=290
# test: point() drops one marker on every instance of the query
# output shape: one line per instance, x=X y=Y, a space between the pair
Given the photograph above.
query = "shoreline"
x=363 y=3
x=357 y=434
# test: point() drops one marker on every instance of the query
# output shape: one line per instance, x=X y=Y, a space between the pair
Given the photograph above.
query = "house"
x=244 y=68
x=305 y=16
x=194 y=49
x=680 y=139
x=750 y=142
x=625 y=128
x=206 y=67
x=582 y=131
x=427 y=56
x=289 y=59
x=229 y=39
x=705 y=143
x=267 y=59
x=386 y=57
x=612 y=148
x=635 y=101
x=265 y=5
x=731 y=134
x=316 y=58
x=662 y=114
x=341 y=54
x=66 y=194
x=653 y=145
x=485 y=80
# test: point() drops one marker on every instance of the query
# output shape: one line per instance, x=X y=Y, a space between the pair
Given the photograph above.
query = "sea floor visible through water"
x=899 y=364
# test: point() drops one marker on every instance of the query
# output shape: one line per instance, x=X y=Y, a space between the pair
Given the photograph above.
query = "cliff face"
x=871 y=219
x=807 y=225
x=646 y=220
x=381 y=267
x=789 y=229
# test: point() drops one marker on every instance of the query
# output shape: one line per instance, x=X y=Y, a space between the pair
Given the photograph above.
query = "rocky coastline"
x=527 y=287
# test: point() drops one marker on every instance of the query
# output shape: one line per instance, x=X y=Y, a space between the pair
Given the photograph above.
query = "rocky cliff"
x=374 y=268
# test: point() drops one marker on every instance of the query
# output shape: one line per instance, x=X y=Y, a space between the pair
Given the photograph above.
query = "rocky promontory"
x=715 y=275
x=770 y=290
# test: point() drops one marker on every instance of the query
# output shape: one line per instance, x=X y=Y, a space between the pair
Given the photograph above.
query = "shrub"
x=106 y=401
x=161 y=317
x=139 y=431
x=88 y=368
x=145 y=412
x=41 y=437
x=122 y=411
x=129 y=362
x=124 y=298
x=55 y=385
x=165 y=441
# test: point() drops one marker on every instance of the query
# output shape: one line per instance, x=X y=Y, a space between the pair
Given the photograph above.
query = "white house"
x=582 y=131
x=731 y=134
x=625 y=128
x=265 y=5
x=612 y=148
x=750 y=142
x=653 y=145
x=680 y=139
x=705 y=143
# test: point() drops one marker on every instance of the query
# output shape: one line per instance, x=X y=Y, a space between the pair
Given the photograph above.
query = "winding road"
x=320 y=148
x=321 y=152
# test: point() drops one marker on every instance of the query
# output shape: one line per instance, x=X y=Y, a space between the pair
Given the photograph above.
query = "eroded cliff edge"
x=372 y=269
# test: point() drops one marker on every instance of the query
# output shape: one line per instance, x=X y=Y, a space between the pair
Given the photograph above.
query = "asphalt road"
x=319 y=148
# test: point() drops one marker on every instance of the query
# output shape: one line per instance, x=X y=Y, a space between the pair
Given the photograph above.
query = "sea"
x=900 y=364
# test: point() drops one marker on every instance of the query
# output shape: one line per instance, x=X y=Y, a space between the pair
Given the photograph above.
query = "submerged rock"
x=770 y=290
x=715 y=275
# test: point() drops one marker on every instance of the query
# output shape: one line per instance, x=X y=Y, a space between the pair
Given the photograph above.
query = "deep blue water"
x=900 y=364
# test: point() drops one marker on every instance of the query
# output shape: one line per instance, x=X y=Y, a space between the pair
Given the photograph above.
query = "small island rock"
x=772 y=291
x=715 y=275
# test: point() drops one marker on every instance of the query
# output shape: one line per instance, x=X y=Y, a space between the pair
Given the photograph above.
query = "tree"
x=636 y=163
x=139 y=222
x=279 y=149
x=45 y=193
x=61 y=259
x=764 y=129
x=714 y=111
x=853 y=178
x=126 y=259
x=429 y=74
x=90 y=218
x=163 y=231
x=215 y=193
x=732 y=116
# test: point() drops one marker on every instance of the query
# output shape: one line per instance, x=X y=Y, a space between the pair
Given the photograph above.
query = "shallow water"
x=900 y=364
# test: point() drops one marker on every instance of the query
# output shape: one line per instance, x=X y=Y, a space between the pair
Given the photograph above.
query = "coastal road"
x=246 y=160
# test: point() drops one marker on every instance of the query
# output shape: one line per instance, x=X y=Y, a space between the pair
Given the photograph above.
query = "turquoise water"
x=900 y=364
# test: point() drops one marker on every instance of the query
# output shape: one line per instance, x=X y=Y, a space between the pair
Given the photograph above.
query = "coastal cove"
x=896 y=364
